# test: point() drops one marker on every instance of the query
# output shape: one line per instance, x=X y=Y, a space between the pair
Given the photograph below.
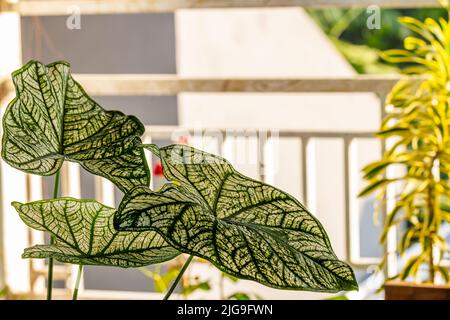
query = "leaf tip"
x=352 y=286
x=362 y=193
x=16 y=205
x=349 y=282
x=153 y=148
x=26 y=254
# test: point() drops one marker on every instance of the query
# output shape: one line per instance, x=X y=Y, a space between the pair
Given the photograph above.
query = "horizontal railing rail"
x=173 y=84
x=164 y=132
x=160 y=85
x=63 y=7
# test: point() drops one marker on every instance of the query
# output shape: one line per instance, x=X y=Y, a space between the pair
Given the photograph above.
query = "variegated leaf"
x=84 y=234
x=246 y=228
x=52 y=119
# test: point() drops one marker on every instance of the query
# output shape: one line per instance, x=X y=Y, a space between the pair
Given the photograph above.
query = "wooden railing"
x=50 y=7
x=168 y=84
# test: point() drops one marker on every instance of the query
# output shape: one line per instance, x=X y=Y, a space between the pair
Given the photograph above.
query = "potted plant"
x=415 y=166
x=246 y=228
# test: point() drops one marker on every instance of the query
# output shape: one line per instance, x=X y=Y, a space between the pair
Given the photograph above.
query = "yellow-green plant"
x=417 y=156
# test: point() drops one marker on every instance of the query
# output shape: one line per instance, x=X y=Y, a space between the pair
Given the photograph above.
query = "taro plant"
x=417 y=160
x=246 y=228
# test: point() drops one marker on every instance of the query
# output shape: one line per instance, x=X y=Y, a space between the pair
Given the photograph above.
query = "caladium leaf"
x=85 y=234
x=52 y=119
x=246 y=228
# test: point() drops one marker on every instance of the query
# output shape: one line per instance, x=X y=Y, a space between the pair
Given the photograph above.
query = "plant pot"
x=397 y=290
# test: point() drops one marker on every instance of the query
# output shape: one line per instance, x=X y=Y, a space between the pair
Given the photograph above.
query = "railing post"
x=262 y=137
x=348 y=220
x=390 y=248
x=304 y=171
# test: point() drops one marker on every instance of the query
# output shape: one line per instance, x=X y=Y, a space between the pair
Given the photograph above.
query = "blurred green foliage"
x=4 y=292
x=163 y=275
x=361 y=46
x=162 y=279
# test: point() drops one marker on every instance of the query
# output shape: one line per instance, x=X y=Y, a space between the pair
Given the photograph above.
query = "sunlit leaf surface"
x=85 y=234
x=52 y=119
x=244 y=227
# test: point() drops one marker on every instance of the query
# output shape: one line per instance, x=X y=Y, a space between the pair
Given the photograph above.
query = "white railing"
x=164 y=85
x=61 y=7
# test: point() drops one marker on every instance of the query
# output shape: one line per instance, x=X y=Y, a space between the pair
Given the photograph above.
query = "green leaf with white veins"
x=246 y=228
x=52 y=119
x=85 y=234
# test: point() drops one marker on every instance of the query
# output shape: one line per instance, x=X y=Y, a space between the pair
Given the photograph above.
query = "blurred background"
x=312 y=143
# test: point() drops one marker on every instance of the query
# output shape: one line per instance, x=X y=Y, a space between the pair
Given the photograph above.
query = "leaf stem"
x=180 y=275
x=52 y=240
x=77 y=283
x=432 y=220
x=344 y=22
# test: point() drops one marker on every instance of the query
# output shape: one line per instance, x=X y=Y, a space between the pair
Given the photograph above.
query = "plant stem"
x=180 y=275
x=344 y=22
x=50 y=275
x=431 y=266
x=429 y=240
x=52 y=240
x=77 y=283
x=433 y=221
